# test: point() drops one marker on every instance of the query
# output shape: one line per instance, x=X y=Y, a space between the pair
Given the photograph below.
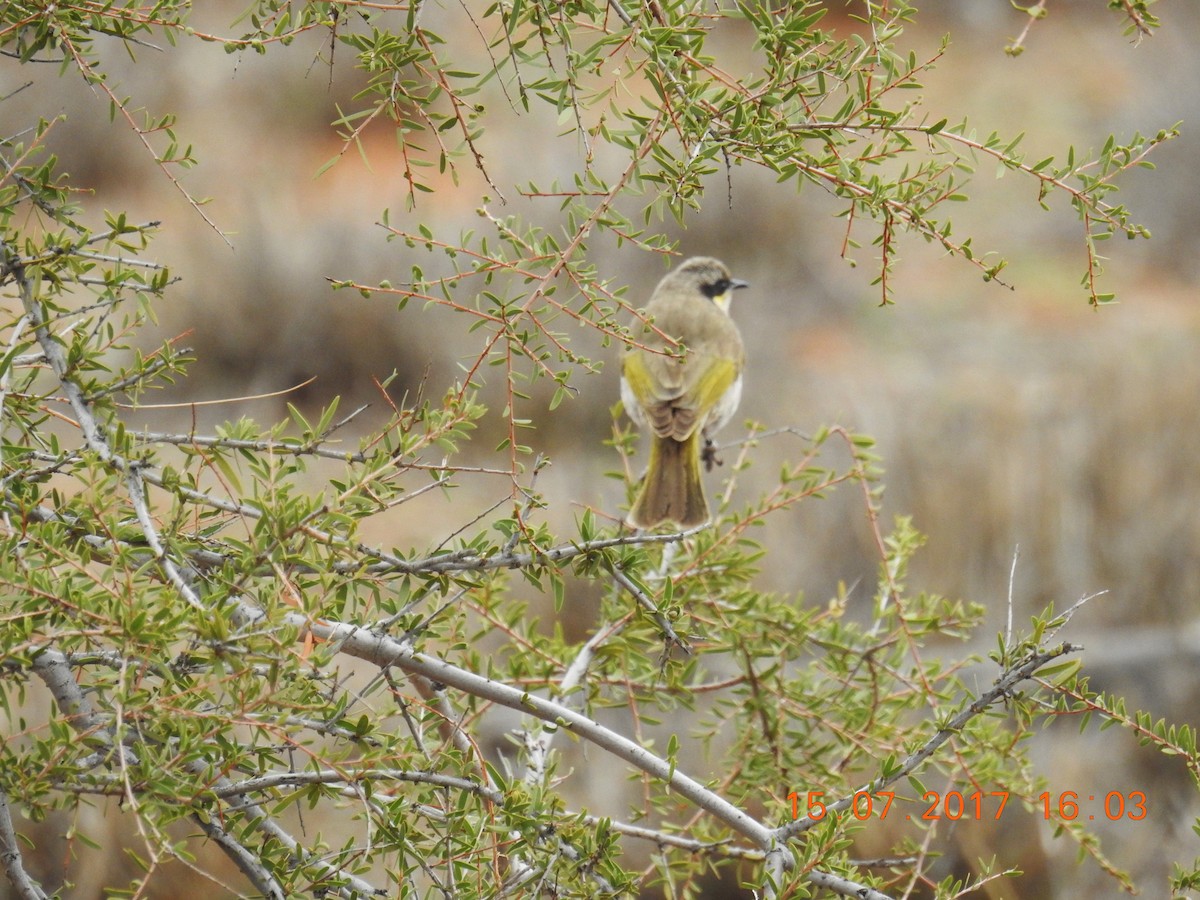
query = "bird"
x=681 y=380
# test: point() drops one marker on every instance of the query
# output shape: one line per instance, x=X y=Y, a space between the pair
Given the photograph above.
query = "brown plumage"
x=682 y=399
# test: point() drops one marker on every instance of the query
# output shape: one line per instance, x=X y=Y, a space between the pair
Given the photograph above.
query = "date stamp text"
x=979 y=806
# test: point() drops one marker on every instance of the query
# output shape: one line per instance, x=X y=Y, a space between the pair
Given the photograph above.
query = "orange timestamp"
x=977 y=805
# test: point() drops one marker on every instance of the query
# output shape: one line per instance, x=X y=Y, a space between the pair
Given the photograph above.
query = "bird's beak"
x=726 y=298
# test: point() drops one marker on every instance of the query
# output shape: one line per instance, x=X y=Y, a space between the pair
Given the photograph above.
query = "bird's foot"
x=709 y=455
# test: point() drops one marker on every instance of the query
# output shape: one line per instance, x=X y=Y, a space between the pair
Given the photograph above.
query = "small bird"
x=683 y=395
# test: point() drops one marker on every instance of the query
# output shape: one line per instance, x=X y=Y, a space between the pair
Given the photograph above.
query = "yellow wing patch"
x=676 y=406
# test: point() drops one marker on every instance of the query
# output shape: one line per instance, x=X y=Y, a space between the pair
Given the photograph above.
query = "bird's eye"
x=717 y=288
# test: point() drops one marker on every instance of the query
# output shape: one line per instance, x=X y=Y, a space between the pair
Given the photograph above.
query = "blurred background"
x=1006 y=419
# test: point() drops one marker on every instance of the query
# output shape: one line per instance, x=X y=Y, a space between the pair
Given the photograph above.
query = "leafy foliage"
x=229 y=654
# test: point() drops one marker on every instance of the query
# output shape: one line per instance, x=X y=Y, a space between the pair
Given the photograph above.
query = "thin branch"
x=665 y=627
x=188 y=404
x=845 y=886
x=537 y=746
x=54 y=669
x=10 y=857
x=15 y=267
x=274 y=780
x=155 y=365
x=1024 y=670
x=466 y=559
x=137 y=496
x=92 y=77
x=6 y=379
x=1140 y=25
x=1012 y=577
x=271 y=829
x=249 y=864
x=385 y=651
x=619 y=9
x=1033 y=14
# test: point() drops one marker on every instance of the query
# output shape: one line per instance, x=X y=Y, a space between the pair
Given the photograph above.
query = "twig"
x=91 y=76
x=272 y=830
x=6 y=378
x=14 y=266
x=274 y=780
x=249 y=864
x=154 y=366
x=382 y=650
x=282 y=446
x=1012 y=577
x=1065 y=616
x=466 y=559
x=1002 y=687
x=615 y=6
x=538 y=747
x=10 y=857
x=668 y=631
x=1136 y=19
x=54 y=669
x=188 y=404
x=137 y=496
x=1032 y=13
x=845 y=887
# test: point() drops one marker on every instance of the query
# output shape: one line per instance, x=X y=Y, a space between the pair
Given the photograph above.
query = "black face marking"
x=716 y=288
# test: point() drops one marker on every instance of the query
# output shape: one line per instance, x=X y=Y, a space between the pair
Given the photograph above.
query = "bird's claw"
x=709 y=455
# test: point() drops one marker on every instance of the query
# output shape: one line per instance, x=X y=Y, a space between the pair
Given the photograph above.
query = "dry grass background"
x=1003 y=418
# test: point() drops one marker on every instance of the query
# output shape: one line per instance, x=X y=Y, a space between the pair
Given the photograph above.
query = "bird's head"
x=707 y=276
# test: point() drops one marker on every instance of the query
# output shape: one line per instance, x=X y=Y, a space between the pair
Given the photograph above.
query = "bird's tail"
x=672 y=489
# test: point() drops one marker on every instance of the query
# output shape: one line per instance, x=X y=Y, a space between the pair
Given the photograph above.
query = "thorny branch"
x=185 y=567
x=386 y=652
